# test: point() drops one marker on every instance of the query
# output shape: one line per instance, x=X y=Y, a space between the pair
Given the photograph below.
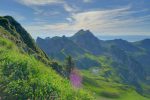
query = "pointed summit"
x=84 y=33
x=86 y=39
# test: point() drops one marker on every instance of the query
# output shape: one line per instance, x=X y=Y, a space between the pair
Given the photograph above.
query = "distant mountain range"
x=129 y=61
x=130 y=38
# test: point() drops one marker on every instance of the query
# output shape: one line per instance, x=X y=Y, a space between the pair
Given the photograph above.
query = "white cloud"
x=87 y=1
x=69 y=19
x=110 y=21
x=39 y=2
x=35 y=3
x=69 y=8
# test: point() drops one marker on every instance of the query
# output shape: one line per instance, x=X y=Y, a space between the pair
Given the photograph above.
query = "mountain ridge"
x=82 y=38
x=121 y=55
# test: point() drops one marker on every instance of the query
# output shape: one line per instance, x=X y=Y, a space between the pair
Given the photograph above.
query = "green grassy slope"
x=106 y=89
x=24 y=77
x=12 y=30
x=105 y=83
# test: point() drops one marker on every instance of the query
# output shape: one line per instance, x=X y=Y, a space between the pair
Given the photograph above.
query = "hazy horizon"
x=130 y=38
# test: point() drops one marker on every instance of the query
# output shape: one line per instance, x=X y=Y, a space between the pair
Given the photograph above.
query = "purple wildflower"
x=76 y=78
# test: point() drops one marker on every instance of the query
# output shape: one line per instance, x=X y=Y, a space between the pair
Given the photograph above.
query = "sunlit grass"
x=108 y=90
x=24 y=77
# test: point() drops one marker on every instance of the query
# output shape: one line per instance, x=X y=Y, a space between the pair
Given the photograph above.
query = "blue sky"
x=65 y=17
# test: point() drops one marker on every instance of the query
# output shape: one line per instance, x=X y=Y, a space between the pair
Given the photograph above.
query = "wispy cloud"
x=39 y=2
x=46 y=13
x=71 y=9
x=112 y=21
x=36 y=3
x=87 y=1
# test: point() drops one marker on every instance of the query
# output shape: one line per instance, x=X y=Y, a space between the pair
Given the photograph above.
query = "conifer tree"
x=69 y=65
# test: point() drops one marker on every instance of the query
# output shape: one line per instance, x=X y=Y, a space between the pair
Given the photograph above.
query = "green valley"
x=105 y=89
x=110 y=69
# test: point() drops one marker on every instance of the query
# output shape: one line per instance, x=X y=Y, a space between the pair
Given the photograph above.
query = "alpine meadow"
x=74 y=50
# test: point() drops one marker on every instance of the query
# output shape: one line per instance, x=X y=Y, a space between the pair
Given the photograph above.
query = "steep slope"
x=123 y=44
x=17 y=30
x=88 y=41
x=23 y=76
x=138 y=56
x=143 y=44
x=144 y=57
x=21 y=37
x=106 y=89
x=127 y=67
x=59 y=47
x=12 y=30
